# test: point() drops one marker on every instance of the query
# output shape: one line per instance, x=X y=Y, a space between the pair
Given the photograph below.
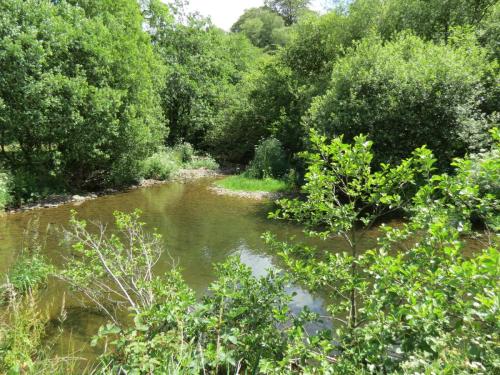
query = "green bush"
x=206 y=162
x=161 y=166
x=184 y=152
x=407 y=93
x=29 y=272
x=233 y=328
x=5 y=186
x=417 y=302
x=484 y=168
x=269 y=160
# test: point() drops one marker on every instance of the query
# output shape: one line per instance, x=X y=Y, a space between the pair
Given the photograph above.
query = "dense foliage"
x=92 y=88
x=264 y=28
x=405 y=94
x=78 y=91
x=379 y=107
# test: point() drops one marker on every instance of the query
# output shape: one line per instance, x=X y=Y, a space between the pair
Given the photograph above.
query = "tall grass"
x=31 y=270
x=24 y=345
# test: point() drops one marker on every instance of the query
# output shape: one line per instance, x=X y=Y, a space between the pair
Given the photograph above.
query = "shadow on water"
x=199 y=228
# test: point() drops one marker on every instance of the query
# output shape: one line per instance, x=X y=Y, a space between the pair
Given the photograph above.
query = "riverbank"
x=56 y=200
x=257 y=195
x=251 y=188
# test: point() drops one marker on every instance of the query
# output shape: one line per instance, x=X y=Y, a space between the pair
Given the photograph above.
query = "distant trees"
x=288 y=9
x=451 y=56
x=203 y=66
x=264 y=27
x=89 y=89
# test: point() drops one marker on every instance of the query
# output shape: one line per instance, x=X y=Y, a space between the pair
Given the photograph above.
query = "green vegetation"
x=31 y=269
x=406 y=93
x=243 y=183
x=79 y=101
x=405 y=306
x=263 y=27
x=5 y=187
x=93 y=93
x=269 y=160
x=164 y=164
x=376 y=107
x=24 y=345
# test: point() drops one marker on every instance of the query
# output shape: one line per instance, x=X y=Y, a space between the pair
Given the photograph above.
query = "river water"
x=199 y=228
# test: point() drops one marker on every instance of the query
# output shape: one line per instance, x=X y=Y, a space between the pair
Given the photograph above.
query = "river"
x=199 y=228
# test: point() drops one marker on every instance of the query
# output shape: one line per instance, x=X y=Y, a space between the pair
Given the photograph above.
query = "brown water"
x=199 y=228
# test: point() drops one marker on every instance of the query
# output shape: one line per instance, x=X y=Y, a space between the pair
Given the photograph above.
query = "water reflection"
x=199 y=228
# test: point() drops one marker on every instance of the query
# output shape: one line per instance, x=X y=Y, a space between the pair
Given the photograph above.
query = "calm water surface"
x=199 y=228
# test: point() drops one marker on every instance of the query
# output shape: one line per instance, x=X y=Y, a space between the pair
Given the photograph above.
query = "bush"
x=407 y=93
x=184 y=152
x=269 y=160
x=417 y=302
x=230 y=331
x=5 y=185
x=206 y=162
x=30 y=270
x=484 y=168
x=160 y=166
x=163 y=164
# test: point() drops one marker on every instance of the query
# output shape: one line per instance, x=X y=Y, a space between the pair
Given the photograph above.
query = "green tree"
x=262 y=26
x=79 y=92
x=204 y=65
x=432 y=19
x=290 y=10
x=345 y=197
x=409 y=305
x=407 y=93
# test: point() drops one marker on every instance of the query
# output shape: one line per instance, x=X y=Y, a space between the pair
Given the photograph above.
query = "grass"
x=25 y=347
x=242 y=183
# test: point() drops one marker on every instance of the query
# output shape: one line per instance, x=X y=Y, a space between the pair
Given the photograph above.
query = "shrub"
x=24 y=345
x=184 y=152
x=484 y=168
x=231 y=330
x=160 y=166
x=416 y=302
x=5 y=186
x=206 y=162
x=110 y=271
x=269 y=160
x=29 y=272
x=163 y=164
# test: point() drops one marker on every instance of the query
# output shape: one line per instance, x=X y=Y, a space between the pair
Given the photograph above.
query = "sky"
x=226 y=12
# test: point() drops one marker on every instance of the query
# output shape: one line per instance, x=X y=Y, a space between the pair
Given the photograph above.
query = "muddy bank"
x=257 y=195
